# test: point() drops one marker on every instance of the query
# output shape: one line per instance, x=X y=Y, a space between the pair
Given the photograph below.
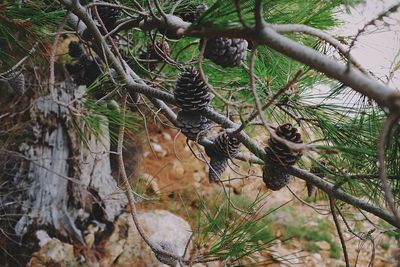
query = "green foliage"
x=23 y=25
x=384 y=245
x=230 y=234
x=223 y=14
x=101 y=115
x=395 y=234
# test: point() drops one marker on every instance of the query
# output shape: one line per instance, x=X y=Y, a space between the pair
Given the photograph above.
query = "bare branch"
x=372 y=22
x=284 y=28
x=338 y=193
x=386 y=129
x=339 y=230
x=266 y=105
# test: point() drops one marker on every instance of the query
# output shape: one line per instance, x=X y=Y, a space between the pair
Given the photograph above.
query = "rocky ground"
x=175 y=175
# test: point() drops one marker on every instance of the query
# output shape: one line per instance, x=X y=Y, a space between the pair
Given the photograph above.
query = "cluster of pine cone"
x=192 y=96
x=86 y=69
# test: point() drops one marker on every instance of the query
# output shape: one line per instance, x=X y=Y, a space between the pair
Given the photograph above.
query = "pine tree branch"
x=338 y=193
x=385 y=96
x=295 y=28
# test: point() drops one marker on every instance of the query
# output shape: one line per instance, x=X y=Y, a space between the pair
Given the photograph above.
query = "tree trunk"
x=64 y=179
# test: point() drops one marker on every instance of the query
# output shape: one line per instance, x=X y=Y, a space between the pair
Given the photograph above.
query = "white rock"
x=53 y=253
x=167 y=136
x=43 y=237
x=126 y=247
x=156 y=147
x=317 y=257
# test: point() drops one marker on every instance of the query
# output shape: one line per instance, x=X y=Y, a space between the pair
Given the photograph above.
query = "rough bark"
x=67 y=179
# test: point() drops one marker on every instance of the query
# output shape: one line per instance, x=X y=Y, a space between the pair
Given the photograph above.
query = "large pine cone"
x=85 y=71
x=14 y=84
x=224 y=147
x=193 y=125
x=217 y=167
x=109 y=16
x=225 y=52
x=275 y=177
x=278 y=155
x=75 y=49
x=279 y=152
x=191 y=91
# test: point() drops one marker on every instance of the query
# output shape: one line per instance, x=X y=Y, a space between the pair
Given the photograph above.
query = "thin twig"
x=371 y=22
x=339 y=230
x=270 y=101
x=347 y=224
x=128 y=189
x=316 y=209
x=4 y=75
x=160 y=10
x=291 y=145
x=385 y=132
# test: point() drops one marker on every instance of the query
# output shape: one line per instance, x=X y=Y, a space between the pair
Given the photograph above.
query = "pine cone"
x=109 y=16
x=280 y=153
x=85 y=71
x=225 y=52
x=224 y=147
x=191 y=91
x=311 y=189
x=192 y=12
x=75 y=49
x=193 y=125
x=275 y=177
x=278 y=156
x=217 y=167
x=154 y=55
x=18 y=84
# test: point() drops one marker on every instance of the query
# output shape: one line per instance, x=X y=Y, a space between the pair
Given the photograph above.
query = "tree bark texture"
x=64 y=180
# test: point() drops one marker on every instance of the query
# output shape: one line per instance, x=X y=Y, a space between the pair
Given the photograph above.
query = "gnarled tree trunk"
x=62 y=174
